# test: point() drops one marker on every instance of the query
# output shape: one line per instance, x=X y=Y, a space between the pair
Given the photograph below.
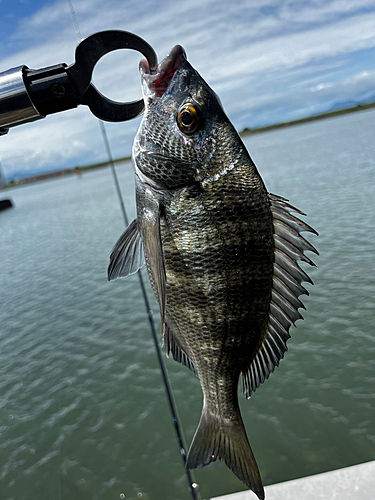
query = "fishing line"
x=76 y=27
x=193 y=486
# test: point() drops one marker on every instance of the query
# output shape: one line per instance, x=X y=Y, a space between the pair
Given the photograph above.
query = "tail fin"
x=216 y=438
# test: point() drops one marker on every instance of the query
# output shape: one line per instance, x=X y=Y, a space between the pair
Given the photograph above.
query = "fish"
x=222 y=254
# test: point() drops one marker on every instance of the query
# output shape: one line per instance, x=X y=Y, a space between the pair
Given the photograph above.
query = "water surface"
x=83 y=412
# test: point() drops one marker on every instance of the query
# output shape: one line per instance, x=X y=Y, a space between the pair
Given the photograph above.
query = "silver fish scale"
x=158 y=155
x=219 y=264
x=222 y=257
x=165 y=141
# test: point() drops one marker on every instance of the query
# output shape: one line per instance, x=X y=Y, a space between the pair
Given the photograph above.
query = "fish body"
x=220 y=251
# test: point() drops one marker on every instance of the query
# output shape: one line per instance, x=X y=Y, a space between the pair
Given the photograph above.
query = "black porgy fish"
x=221 y=254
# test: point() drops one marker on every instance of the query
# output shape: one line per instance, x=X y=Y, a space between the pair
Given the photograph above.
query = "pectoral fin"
x=127 y=255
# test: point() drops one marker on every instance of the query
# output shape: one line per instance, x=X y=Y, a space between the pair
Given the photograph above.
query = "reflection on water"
x=83 y=413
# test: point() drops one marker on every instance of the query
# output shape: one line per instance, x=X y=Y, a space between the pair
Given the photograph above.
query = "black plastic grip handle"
x=88 y=53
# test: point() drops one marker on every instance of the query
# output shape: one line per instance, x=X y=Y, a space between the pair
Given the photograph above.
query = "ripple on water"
x=83 y=408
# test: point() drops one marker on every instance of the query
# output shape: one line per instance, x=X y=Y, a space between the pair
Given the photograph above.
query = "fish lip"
x=156 y=82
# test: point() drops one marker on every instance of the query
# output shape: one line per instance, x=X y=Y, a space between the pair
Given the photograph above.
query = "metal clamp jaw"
x=27 y=95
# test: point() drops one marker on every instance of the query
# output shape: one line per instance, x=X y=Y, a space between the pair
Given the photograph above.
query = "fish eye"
x=188 y=118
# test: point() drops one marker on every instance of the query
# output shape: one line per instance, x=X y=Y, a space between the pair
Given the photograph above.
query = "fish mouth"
x=155 y=82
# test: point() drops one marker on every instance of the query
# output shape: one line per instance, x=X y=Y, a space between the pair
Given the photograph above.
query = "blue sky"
x=268 y=60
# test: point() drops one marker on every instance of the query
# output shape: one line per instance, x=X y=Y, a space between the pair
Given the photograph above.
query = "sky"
x=268 y=60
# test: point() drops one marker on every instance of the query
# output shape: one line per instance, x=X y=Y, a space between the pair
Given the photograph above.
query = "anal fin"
x=178 y=354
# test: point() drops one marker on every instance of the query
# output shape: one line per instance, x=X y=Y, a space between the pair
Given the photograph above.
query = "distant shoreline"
x=59 y=173
x=246 y=131
x=311 y=118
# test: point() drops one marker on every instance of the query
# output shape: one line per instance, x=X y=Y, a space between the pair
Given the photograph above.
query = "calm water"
x=83 y=413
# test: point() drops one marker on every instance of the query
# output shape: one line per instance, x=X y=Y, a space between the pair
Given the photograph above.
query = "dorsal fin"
x=287 y=278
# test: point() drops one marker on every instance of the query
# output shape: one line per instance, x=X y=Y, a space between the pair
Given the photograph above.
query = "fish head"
x=181 y=136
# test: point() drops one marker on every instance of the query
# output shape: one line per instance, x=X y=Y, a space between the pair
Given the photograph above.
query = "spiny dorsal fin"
x=127 y=255
x=288 y=276
x=178 y=354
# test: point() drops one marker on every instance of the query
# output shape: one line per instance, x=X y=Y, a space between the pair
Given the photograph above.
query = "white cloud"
x=254 y=54
x=288 y=51
x=349 y=87
x=320 y=11
x=321 y=86
x=363 y=75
